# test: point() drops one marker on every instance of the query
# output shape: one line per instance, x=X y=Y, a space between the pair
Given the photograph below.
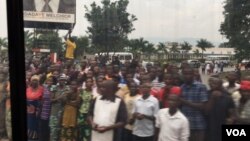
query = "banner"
x=48 y=17
x=51 y=14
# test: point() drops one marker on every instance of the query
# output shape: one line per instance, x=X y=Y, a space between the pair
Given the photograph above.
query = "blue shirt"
x=195 y=93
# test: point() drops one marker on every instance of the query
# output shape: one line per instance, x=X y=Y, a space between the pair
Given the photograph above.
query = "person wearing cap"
x=219 y=110
x=171 y=124
x=58 y=99
x=34 y=94
x=237 y=94
x=243 y=110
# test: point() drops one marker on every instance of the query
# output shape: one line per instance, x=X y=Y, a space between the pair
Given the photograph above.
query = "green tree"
x=174 y=48
x=82 y=46
x=3 y=43
x=236 y=25
x=28 y=40
x=137 y=46
x=196 y=53
x=50 y=39
x=186 y=47
x=162 y=50
x=225 y=45
x=148 y=50
x=203 y=44
x=110 y=24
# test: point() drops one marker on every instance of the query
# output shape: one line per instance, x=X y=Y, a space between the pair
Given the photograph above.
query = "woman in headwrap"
x=86 y=96
x=70 y=110
x=34 y=94
x=45 y=110
x=58 y=99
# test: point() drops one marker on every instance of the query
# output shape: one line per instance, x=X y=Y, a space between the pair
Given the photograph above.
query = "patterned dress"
x=45 y=114
x=56 y=112
x=69 y=119
x=84 y=129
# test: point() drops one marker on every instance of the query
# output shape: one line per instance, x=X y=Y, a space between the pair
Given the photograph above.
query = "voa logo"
x=236 y=132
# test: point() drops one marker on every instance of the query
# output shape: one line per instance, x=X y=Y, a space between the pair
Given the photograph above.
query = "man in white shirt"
x=231 y=86
x=144 y=112
x=171 y=124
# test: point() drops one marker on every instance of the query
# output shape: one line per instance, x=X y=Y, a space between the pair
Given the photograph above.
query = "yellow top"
x=130 y=104
x=49 y=75
x=70 y=49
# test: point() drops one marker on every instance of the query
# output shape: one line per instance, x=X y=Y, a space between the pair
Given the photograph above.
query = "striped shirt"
x=195 y=93
x=46 y=103
x=157 y=85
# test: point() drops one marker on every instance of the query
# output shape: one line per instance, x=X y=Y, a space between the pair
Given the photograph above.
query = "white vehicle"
x=123 y=56
x=208 y=62
x=245 y=61
x=194 y=63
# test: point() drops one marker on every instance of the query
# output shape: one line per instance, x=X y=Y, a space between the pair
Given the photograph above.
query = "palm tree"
x=186 y=47
x=137 y=46
x=142 y=44
x=196 y=53
x=204 y=44
x=28 y=39
x=82 y=44
x=148 y=50
x=162 y=50
x=3 y=43
x=174 y=49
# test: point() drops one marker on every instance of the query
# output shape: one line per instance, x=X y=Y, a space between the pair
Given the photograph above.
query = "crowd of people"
x=5 y=110
x=86 y=101
x=213 y=67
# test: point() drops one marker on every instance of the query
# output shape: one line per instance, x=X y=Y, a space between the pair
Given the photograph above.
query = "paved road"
x=205 y=77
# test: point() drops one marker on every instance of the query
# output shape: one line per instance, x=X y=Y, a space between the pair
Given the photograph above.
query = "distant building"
x=211 y=53
x=214 y=53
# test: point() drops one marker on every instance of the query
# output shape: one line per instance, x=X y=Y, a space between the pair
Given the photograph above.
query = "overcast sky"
x=159 y=20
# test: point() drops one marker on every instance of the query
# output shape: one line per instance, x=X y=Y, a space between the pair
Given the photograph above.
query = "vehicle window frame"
x=17 y=69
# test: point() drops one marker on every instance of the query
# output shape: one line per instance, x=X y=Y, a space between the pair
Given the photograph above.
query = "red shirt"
x=160 y=94
x=34 y=95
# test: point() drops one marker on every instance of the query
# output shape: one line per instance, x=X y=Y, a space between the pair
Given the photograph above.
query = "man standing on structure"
x=70 y=46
